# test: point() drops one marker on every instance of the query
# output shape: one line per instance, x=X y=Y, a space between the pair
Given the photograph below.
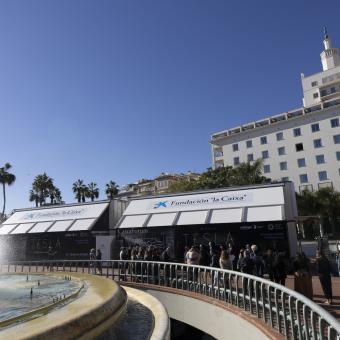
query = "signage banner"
x=57 y=214
x=213 y=200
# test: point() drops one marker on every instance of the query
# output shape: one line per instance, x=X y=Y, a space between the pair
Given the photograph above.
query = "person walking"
x=324 y=272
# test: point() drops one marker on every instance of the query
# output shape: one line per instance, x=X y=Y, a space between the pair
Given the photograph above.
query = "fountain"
x=58 y=305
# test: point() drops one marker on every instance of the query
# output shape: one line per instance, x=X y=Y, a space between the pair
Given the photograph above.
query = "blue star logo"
x=160 y=204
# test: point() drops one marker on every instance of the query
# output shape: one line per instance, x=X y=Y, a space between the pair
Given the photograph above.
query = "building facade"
x=301 y=145
x=159 y=185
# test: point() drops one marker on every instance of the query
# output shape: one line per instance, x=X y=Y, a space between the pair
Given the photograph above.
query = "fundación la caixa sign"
x=266 y=196
x=207 y=200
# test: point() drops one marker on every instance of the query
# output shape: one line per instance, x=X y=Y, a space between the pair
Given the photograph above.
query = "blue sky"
x=123 y=90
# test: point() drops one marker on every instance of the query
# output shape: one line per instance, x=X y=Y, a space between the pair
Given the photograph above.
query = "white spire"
x=330 y=55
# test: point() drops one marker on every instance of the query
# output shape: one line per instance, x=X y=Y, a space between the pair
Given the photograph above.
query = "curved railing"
x=288 y=312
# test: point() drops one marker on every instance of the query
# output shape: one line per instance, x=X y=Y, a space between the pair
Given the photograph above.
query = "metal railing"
x=288 y=312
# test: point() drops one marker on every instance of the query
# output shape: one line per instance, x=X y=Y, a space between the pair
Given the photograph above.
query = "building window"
x=236 y=160
x=283 y=166
x=320 y=159
x=332 y=89
x=250 y=157
x=336 y=139
x=235 y=147
x=303 y=178
x=284 y=179
x=281 y=151
x=322 y=175
x=338 y=155
x=266 y=168
x=249 y=143
x=334 y=122
x=315 y=127
x=315 y=95
x=314 y=83
x=317 y=143
x=301 y=162
x=265 y=154
x=299 y=147
x=263 y=140
x=297 y=132
x=323 y=93
x=279 y=136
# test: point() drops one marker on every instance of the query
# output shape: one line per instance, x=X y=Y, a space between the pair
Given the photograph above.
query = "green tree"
x=223 y=177
x=79 y=189
x=307 y=203
x=41 y=185
x=34 y=197
x=92 y=191
x=247 y=173
x=328 y=201
x=6 y=178
x=111 y=190
x=55 y=195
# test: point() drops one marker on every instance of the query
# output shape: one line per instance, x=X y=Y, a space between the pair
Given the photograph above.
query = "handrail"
x=286 y=311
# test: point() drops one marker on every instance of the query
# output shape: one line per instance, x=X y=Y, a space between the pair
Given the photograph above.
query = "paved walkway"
x=319 y=296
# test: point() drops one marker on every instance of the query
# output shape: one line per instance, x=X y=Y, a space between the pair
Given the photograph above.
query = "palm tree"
x=92 y=191
x=55 y=195
x=34 y=197
x=79 y=188
x=6 y=178
x=247 y=173
x=41 y=185
x=111 y=189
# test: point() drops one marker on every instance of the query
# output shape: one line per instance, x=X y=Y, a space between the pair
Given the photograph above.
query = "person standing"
x=269 y=261
x=192 y=258
x=324 y=272
x=50 y=254
x=280 y=269
x=92 y=261
x=99 y=258
x=337 y=259
x=302 y=276
x=214 y=263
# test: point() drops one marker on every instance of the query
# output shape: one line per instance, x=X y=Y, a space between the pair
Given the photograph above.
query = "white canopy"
x=54 y=219
x=274 y=202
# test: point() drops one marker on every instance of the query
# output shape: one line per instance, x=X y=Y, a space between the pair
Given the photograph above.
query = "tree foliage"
x=243 y=174
x=111 y=190
x=6 y=178
x=92 y=191
x=324 y=203
x=42 y=188
x=80 y=190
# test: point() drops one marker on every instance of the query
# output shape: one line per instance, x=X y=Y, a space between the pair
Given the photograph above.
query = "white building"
x=302 y=145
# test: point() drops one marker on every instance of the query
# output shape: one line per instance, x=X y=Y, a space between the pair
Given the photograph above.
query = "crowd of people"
x=269 y=264
x=247 y=260
x=149 y=253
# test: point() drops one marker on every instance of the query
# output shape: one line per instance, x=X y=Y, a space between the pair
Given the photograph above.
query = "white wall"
x=211 y=319
x=326 y=133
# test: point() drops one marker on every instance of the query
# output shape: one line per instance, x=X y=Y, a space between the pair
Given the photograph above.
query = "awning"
x=54 y=219
x=227 y=206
